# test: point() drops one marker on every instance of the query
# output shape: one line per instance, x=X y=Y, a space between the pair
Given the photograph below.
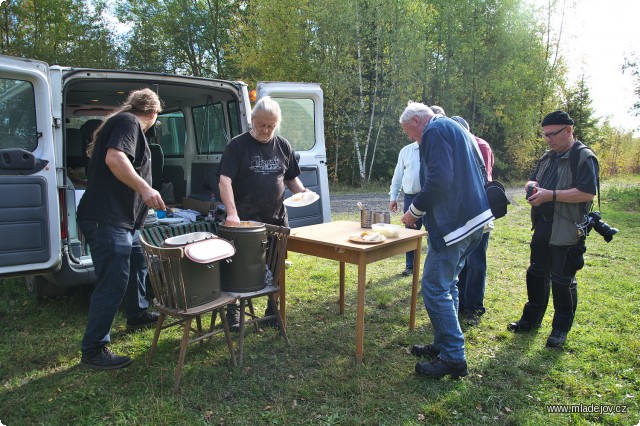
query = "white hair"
x=268 y=105
x=415 y=109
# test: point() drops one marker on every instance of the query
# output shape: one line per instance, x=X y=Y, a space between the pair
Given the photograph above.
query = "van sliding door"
x=29 y=224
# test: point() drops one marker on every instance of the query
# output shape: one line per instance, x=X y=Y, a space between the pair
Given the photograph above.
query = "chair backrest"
x=165 y=275
x=276 y=250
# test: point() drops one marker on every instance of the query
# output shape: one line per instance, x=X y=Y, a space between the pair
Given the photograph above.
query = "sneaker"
x=522 y=325
x=103 y=359
x=407 y=272
x=438 y=368
x=429 y=351
x=146 y=320
x=233 y=316
x=556 y=339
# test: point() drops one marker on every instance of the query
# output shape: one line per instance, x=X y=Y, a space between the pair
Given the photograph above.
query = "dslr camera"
x=594 y=221
x=532 y=188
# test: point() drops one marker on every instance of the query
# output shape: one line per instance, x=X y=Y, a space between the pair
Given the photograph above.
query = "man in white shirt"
x=406 y=177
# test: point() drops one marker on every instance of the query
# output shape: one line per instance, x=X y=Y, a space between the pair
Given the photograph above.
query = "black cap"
x=557 y=117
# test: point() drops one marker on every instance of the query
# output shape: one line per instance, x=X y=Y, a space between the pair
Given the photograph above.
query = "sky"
x=596 y=37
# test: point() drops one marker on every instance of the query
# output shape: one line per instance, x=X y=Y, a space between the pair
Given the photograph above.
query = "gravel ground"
x=346 y=203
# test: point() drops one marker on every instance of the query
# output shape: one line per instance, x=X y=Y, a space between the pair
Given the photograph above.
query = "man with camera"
x=560 y=191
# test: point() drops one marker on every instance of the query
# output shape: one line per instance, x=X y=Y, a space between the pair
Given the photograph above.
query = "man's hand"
x=393 y=206
x=409 y=220
x=153 y=199
x=232 y=220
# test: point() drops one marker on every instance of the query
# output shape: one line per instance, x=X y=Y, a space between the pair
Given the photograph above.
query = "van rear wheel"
x=41 y=288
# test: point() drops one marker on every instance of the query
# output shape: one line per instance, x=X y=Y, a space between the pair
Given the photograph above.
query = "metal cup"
x=381 y=217
x=365 y=218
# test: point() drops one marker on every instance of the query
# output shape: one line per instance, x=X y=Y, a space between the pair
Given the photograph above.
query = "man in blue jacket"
x=454 y=207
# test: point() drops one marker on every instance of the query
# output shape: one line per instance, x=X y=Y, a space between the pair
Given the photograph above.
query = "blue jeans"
x=121 y=272
x=473 y=279
x=408 y=199
x=440 y=294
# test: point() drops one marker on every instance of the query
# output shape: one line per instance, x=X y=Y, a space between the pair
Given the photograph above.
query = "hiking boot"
x=556 y=339
x=407 y=272
x=103 y=359
x=438 y=368
x=233 y=316
x=146 y=320
x=429 y=351
x=522 y=325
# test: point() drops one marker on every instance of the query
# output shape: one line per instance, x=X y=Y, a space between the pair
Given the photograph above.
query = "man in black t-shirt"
x=254 y=169
x=110 y=215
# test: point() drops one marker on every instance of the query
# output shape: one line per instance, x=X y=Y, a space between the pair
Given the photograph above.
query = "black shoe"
x=271 y=322
x=407 y=272
x=146 y=320
x=556 y=339
x=233 y=317
x=522 y=325
x=438 y=368
x=429 y=351
x=103 y=359
x=470 y=320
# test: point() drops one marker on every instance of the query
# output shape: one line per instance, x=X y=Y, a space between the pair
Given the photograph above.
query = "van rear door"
x=303 y=126
x=29 y=212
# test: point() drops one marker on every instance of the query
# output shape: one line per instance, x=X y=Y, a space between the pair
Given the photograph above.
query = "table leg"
x=414 y=286
x=362 y=278
x=341 y=301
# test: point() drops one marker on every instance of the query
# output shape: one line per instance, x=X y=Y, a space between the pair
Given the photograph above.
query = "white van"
x=47 y=114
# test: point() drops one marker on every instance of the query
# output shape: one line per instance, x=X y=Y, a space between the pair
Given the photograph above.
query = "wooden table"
x=331 y=241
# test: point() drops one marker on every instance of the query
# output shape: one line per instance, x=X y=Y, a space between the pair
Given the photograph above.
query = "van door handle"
x=308 y=168
x=18 y=161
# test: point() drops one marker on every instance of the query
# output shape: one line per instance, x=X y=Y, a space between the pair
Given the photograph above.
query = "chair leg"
x=227 y=334
x=241 y=332
x=199 y=325
x=183 y=351
x=156 y=336
x=214 y=315
x=253 y=315
x=276 y=312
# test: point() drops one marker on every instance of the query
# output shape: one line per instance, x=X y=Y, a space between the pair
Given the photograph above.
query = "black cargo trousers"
x=552 y=269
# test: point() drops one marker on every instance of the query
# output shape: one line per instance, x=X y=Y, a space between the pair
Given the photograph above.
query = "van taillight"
x=62 y=198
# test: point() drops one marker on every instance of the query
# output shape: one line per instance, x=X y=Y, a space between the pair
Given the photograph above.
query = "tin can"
x=365 y=218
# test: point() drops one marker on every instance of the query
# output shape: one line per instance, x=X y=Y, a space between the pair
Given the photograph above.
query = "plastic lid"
x=211 y=250
x=184 y=239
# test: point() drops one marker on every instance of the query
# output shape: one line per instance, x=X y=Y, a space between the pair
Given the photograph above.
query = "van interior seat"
x=86 y=131
x=157 y=165
x=74 y=148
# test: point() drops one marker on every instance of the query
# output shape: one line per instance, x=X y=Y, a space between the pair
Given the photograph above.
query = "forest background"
x=497 y=63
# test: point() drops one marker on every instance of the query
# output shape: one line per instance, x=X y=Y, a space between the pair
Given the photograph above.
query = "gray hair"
x=438 y=109
x=415 y=109
x=268 y=105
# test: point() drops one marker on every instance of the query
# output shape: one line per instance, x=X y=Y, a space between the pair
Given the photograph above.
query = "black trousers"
x=552 y=269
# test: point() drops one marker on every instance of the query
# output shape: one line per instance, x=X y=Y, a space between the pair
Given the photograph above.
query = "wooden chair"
x=276 y=255
x=165 y=273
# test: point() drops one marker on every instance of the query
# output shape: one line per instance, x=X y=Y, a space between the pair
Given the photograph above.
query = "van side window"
x=17 y=115
x=297 y=122
x=172 y=133
x=232 y=111
x=211 y=130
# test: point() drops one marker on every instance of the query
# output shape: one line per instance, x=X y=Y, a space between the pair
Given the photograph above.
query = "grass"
x=316 y=381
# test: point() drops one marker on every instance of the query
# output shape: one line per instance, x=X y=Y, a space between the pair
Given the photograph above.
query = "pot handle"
x=265 y=245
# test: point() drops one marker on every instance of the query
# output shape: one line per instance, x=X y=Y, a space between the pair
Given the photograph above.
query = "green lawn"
x=316 y=380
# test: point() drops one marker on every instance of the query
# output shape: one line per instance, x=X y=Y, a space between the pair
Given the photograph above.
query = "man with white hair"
x=254 y=169
x=454 y=207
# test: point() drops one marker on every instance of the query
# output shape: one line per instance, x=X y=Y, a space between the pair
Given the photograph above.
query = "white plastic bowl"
x=387 y=229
